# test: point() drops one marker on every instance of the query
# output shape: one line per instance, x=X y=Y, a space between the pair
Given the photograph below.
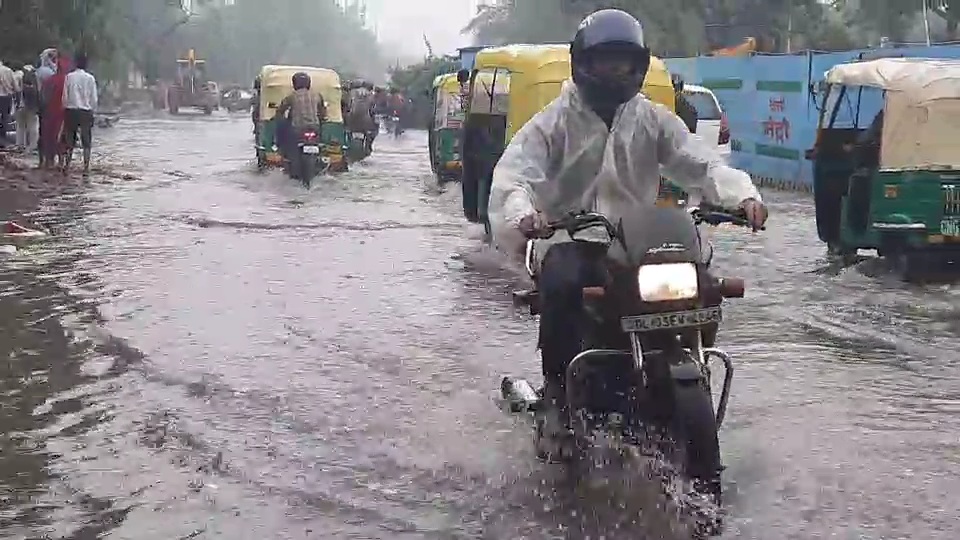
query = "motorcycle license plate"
x=310 y=149
x=357 y=136
x=668 y=321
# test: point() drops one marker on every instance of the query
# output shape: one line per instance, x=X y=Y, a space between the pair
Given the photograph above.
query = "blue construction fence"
x=772 y=106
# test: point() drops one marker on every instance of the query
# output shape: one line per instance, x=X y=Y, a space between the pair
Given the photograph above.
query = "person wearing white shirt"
x=80 y=101
x=8 y=89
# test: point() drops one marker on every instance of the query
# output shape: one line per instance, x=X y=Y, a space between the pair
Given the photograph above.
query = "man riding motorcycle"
x=600 y=146
x=307 y=111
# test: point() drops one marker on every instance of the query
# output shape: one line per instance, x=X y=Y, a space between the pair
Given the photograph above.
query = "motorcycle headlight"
x=665 y=282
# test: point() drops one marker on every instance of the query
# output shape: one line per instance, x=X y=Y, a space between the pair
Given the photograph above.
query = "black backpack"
x=31 y=91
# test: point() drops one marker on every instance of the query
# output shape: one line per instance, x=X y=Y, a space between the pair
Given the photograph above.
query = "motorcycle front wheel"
x=694 y=430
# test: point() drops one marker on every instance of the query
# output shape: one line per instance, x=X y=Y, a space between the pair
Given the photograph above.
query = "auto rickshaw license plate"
x=667 y=321
x=950 y=227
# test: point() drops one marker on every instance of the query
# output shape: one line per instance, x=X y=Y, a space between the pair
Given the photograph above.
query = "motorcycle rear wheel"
x=307 y=170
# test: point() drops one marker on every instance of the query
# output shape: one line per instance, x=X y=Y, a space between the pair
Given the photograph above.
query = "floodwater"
x=206 y=352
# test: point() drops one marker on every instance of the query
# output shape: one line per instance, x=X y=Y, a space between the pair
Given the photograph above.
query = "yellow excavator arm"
x=748 y=46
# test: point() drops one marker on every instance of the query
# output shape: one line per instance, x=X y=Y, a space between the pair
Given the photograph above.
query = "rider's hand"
x=533 y=225
x=755 y=212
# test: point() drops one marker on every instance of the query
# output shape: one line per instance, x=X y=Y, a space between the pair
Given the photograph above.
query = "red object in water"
x=724 y=137
x=10 y=227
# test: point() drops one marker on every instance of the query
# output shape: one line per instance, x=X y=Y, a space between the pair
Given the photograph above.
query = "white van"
x=711 y=121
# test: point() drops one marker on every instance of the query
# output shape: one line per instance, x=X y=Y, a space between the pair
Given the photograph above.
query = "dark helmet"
x=301 y=81
x=609 y=34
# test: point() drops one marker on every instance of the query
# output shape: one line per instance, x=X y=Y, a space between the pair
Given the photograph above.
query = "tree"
x=673 y=27
x=236 y=39
x=880 y=18
x=950 y=11
x=416 y=82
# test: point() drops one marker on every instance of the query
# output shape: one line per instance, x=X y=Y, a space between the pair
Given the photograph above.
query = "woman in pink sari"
x=54 y=112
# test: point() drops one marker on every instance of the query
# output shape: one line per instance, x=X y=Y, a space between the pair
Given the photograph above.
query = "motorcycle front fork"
x=701 y=356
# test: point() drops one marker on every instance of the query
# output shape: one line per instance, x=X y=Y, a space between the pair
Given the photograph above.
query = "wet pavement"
x=207 y=352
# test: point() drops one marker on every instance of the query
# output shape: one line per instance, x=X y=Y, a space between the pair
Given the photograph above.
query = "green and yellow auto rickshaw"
x=446 y=127
x=508 y=86
x=894 y=186
x=276 y=82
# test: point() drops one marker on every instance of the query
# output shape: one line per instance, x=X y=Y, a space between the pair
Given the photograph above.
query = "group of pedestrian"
x=53 y=102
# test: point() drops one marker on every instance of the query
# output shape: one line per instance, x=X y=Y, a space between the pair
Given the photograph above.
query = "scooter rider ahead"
x=600 y=146
x=307 y=110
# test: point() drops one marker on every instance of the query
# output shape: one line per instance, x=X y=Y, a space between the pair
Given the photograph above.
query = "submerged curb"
x=782 y=185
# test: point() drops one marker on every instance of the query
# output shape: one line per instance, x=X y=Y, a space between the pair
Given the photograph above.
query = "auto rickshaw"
x=903 y=198
x=276 y=82
x=446 y=127
x=508 y=86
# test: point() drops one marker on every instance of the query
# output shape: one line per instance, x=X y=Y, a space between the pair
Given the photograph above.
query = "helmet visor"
x=613 y=60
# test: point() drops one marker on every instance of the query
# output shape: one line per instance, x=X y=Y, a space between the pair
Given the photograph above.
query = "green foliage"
x=687 y=27
x=239 y=39
x=416 y=81
x=151 y=34
x=29 y=26
x=890 y=18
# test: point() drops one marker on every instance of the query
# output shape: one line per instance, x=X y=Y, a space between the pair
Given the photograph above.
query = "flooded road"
x=211 y=353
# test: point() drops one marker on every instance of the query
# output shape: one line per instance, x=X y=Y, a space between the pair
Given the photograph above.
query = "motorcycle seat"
x=529 y=298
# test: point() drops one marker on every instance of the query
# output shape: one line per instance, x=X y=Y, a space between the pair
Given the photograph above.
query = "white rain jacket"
x=565 y=159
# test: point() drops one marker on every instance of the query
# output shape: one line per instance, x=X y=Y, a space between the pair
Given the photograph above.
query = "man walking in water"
x=80 y=99
x=27 y=133
x=8 y=89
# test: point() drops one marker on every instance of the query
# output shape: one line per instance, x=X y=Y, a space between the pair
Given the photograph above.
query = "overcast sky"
x=402 y=23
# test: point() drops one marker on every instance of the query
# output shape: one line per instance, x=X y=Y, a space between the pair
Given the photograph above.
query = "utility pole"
x=926 y=21
x=790 y=28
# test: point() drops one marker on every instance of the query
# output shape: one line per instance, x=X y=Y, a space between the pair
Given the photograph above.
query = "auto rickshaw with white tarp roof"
x=893 y=187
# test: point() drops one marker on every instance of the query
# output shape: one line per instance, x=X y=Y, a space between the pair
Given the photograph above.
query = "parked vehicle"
x=894 y=186
x=191 y=88
x=711 y=121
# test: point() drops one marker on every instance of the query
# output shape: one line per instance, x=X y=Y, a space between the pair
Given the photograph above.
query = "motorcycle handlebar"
x=577 y=221
x=715 y=215
x=711 y=215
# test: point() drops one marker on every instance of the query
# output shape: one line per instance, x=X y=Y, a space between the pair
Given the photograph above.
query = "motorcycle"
x=306 y=162
x=396 y=127
x=645 y=371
